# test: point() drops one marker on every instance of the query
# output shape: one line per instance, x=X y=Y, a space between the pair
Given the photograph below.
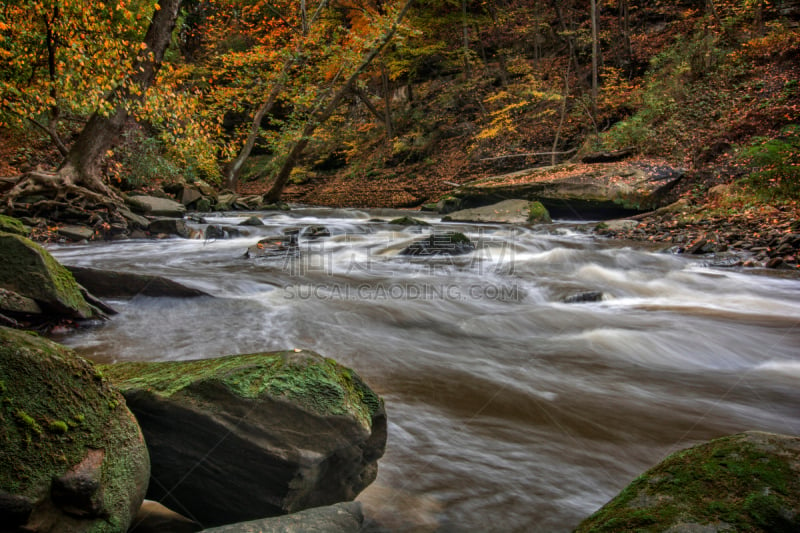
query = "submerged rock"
x=250 y=436
x=745 y=482
x=252 y=221
x=408 y=221
x=169 y=226
x=448 y=243
x=30 y=271
x=74 y=458
x=274 y=247
x=339 y=518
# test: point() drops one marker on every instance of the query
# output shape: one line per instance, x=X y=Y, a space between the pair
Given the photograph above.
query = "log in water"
x=509 y=409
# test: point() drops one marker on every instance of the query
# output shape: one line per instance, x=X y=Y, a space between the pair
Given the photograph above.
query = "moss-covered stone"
x=538 y=214
x=12 y=225
x=29 y=270
x=45 y=386
x=289 y=430
x=320 y=385
x=745 y=482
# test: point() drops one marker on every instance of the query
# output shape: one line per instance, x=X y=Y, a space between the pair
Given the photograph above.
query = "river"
x=509 y=410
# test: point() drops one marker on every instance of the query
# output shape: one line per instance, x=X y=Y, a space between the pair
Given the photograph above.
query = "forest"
x=388 y=103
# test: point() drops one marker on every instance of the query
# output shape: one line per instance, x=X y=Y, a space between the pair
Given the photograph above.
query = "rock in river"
x=30 y=271
x=745 y=482
x=505 y=212
x=73 y=457
x=447 y=243
x=251 y=436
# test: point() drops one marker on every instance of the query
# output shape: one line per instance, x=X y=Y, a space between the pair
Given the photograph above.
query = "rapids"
x=509 y=410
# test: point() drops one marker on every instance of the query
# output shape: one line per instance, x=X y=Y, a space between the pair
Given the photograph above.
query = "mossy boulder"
x=12 y=225
x=745 y=482
x=29 y=270
x=244 y=437
x=73 y=457
x=538 y=214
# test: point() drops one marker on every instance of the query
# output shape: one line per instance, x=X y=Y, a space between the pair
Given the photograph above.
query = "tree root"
x=58 y=197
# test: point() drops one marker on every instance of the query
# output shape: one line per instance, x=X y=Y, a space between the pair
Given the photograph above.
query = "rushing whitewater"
x=509 y=409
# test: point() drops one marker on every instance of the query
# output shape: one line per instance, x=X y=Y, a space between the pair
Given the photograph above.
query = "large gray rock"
x=250 y=436
x=73 y=457
x=577 y=191
x=116 y=284
x=30 y=271
x=156 y=207
x=505 y=212
x=339 y=518
x=745 y=482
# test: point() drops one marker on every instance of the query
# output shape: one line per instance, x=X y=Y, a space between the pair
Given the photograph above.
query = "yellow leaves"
x=143 y=46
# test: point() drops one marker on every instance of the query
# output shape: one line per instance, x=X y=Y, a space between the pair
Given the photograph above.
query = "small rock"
x=252 y=221
x=408 y=221
x=584 y=297
x=273 y=247
x=697 y=247
x=156 y=207
x=170 y=226
x=316 y=232
x=775 y=262
x=449 y=243
x=76 y=233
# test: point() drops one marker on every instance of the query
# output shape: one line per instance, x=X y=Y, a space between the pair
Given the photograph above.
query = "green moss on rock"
x=12 y=225
x=45 y=385
x=538 y=214
x=319 y=385
x=29 y=270
x=745 y=482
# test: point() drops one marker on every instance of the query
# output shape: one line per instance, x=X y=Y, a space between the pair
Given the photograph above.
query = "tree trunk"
x=101 y=132
x=595 y=55
x=465 y=38
x=233 y=170
x=274 y=193
x=55 y=111
x=562 y=117
x=77 y=188
x=625 y=23
x=387 y=102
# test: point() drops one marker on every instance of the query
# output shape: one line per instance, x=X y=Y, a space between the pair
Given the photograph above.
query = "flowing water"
x=509 y=410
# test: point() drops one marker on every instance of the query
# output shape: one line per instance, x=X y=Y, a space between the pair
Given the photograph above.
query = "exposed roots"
x=59 y=197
